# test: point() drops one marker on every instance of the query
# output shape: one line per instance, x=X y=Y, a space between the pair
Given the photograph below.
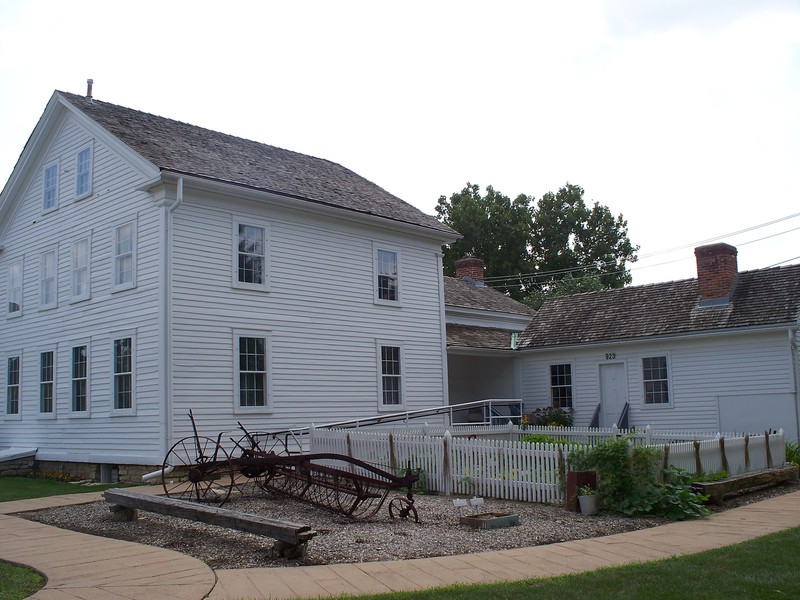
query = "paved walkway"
x=85 y=567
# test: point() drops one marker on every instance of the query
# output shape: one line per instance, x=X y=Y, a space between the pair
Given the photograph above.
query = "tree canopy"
x=534 y=249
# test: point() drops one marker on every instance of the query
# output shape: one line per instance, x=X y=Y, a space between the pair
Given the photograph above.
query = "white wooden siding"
x=114 y=199
x=320 y=313
x=702 y=371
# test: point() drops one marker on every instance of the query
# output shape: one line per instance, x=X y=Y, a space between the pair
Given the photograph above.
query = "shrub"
x=550 y=416
x=793 y=453
x=628 y=481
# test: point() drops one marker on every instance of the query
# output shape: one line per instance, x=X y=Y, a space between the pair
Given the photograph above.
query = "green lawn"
x=762 y=568
x=17 y=583
x=20 y=488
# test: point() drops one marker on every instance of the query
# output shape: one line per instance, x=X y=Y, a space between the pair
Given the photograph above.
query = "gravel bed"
x=341 y=540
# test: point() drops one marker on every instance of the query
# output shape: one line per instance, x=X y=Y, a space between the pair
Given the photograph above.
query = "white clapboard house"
x=719 y=352
x=151 y=267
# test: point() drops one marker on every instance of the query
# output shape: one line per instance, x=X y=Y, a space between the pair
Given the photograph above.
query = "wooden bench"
x=291 y=538
x=717 y=490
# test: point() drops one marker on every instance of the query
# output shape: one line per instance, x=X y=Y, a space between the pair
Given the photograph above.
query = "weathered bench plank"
x=284 y=531
x=717 y=490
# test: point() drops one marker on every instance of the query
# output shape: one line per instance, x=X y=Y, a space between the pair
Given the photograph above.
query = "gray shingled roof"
x=190 y=150
x=468 y=336
x=763 y=297
x=462 y=294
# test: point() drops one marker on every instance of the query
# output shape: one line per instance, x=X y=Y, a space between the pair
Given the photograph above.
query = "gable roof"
x=762 y=298
x=190 y=150
x=463 y=294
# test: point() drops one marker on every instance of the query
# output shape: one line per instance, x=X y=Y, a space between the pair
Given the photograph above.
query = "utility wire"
x=500 y=279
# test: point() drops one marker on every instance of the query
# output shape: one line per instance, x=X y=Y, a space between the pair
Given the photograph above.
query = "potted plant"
x=587 y=498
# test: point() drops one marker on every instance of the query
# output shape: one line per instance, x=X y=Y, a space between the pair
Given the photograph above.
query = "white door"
x=613 y=392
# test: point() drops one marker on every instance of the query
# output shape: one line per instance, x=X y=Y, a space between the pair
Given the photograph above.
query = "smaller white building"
x=719 y=352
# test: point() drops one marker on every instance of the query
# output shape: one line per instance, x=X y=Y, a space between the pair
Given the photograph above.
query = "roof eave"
x=647 y=339
x=248 y=192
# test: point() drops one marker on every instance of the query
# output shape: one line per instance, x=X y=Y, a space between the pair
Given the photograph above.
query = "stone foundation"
x=104 y=473
x=20 y=467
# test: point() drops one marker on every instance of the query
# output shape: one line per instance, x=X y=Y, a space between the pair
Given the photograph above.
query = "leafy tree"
x=566 y=235
x=555 y=246
x=496 y=229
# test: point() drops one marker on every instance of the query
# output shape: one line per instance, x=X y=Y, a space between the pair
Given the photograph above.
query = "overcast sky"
x=683 y=115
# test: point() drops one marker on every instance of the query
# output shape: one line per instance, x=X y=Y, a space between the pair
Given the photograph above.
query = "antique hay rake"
x=199 y=468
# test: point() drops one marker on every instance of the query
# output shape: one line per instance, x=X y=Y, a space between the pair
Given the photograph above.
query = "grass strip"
x=765 y=567
x=18 y=582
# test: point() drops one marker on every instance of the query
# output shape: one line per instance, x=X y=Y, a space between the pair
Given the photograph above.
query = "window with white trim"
x=387 y=283
x=391 y=376
x=561 y=386
x=14 y=289
x=83 y=173
x=250 y=252
x=46 y=382
x=48 y=279
x=124 y=256
x=251 y=371
x=123 y=373
x=79 y=269
x=50 y=188
x=13 y=368
x=79 y=378
x=656 y=380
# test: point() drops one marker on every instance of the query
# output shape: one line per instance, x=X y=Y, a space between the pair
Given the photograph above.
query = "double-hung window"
x=14 y=288
x=83 y=173
x=79 y=269
x=387 y=276
x=391 y=376
x=124 y=256
x=46 y=382
x=13 y=367
x=79 y=369
x=656 y=380
x=561 y=386
x=48 y=279
x=50 y=188
x=250 y=255
x=123 y=374
x=252 y=372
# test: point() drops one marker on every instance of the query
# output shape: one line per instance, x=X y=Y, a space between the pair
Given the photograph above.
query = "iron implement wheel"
x=198 y=468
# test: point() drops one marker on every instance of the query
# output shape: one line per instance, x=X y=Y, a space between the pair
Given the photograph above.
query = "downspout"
x=443 y=321
x=166 y=311
x=794 y=352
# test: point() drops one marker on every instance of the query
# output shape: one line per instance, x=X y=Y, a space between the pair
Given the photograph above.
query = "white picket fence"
x=534 y=472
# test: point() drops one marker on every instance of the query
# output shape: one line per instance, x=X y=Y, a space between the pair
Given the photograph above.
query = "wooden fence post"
x=392 y=455
x=725 y=466
x=698 y=465
x=769 y=450
x=665 y=465
x=746 y=453
x=446 y=468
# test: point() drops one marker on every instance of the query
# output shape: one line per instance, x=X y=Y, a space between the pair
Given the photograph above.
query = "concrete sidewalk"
x=88 y=567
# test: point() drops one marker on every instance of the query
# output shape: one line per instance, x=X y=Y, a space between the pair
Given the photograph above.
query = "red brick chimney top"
x=717 y=273
x=471 y=267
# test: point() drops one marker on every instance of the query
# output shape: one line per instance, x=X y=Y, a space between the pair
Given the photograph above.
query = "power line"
x=499 y=280
x=719 y=237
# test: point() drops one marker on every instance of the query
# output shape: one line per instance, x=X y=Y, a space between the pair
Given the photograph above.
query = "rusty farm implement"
x=199 y=468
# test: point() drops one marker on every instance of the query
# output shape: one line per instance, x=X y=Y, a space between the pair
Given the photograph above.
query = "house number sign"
x=611 y=355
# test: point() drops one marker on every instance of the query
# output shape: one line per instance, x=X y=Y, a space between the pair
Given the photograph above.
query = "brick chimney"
x=717 y=273
x=470 y=267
